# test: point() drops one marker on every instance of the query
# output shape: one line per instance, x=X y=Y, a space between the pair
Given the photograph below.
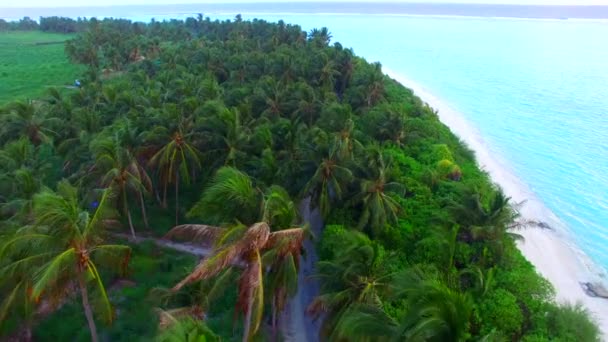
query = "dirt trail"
x=188 y=248
x=295 y=324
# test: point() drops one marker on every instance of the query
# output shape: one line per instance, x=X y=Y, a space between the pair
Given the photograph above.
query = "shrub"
x=500 y=310
x=570 y=322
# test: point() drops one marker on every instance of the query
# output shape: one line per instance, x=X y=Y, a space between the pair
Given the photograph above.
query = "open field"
x=30 y=62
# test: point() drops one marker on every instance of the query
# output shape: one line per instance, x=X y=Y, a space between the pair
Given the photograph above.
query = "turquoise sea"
x=536 y=90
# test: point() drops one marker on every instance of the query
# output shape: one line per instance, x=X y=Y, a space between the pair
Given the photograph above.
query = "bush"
x=335 y=239
x=500 y=310
x=572 y=323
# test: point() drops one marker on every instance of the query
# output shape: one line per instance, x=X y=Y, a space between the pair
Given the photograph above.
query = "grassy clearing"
x=135 y=301
x=132 y=299
x=30 y=62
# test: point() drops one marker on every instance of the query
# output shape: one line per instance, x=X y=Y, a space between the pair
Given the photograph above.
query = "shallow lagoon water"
x=535 y=90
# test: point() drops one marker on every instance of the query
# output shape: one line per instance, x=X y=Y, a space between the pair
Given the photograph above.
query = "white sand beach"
x=547 y=249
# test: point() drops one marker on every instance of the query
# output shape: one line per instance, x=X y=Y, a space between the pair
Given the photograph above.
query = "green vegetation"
x=234 y=123
x=31 y=62
x=135 y=297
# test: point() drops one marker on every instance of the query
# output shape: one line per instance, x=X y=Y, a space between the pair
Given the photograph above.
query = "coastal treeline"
x=46 y=24
x=210 y=134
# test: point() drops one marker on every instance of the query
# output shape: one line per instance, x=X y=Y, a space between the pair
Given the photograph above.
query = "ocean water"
x=535 y=90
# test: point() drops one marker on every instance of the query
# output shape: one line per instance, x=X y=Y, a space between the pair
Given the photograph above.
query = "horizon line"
x=393 y=2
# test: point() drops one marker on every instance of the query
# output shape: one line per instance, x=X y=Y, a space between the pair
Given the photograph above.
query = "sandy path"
x=547 y=249
x=295 y=325
x=188 y=248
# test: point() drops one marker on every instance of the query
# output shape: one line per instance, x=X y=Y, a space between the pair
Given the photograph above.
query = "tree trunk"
x=131 y=225
x=164 y=204
x=128 y=213
x=26 y=333
x=157 y=195
x=87 y=307
x=246 y=336
x=176 y=198
x=143 y=210
x=273 y=308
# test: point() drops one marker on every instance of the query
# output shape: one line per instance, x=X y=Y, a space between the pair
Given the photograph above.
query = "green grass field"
x=30 y=62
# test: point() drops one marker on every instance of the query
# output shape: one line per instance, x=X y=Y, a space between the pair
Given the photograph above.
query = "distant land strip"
x=363 y=8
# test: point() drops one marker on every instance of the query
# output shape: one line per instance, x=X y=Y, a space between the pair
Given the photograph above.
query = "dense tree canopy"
x=235 y=122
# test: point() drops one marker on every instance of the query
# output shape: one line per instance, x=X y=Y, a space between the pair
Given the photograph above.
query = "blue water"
x=536 y=90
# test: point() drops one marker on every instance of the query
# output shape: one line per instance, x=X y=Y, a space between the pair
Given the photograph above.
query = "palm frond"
x=112 y=256
x=53 y=270
x=365 y=323
x=103 y=212
x=196 y=233
x=286 y=241
x=230 y=196
x=251 y=294
x=25 y=264
x=166 y=318
x=8 y=302
x=212 y=265
x=106 y=307
x=20 y=241
x=220 y=284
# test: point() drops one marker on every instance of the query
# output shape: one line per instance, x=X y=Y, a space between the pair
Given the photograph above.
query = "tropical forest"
x=235 y=180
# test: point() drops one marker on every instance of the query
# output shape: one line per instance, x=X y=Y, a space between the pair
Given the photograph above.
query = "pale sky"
x=60 y=3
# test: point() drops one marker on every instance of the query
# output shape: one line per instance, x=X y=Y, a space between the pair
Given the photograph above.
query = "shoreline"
x=548 y=250
x=215 y=14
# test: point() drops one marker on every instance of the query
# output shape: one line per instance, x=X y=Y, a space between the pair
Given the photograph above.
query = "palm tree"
x=388 y=123
x=440 y=314
x=445 y=242
x=176 y=161
x=232 y=134
x=360 y=274
x=25 y=186
x=291 y=158
x=345 y=143
x=474 y=213
x=27 y=120
x=329 y=73
x=329 y=180
x=63 y=248
x=122 y=173
x=374 y=88
x=435 y=313
x=377 y=206
x=199 y=295
x=321 y=37
x=184 y=330
x=17 y=303
x=273 y=94
x=309 y=105
x=16 y=154
x=230 y=197
x=241 y=245
x=282 y=280
x=490 y=220
x=255 y=247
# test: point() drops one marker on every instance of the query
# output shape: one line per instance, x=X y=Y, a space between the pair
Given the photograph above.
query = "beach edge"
x=550 y=253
